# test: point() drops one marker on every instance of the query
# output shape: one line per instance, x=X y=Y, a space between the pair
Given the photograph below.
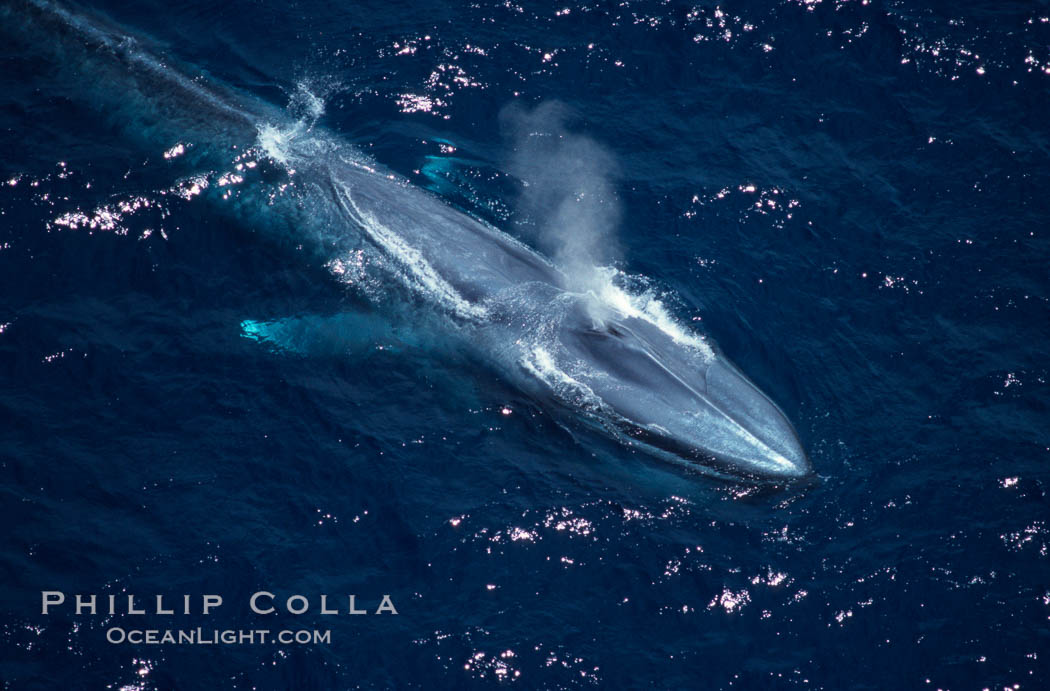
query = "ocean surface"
x=851 y=198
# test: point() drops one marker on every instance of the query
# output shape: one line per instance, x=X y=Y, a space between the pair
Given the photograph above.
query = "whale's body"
x=636 y=371
x=591 y=347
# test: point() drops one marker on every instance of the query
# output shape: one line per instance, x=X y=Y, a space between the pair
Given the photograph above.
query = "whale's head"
x=680 y=399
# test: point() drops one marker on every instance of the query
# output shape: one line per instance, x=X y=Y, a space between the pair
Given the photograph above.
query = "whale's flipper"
x=455 y=179
x=434 y=362
x=343 y=333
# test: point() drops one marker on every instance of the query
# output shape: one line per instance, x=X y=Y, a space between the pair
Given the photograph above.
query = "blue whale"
x=578 y=342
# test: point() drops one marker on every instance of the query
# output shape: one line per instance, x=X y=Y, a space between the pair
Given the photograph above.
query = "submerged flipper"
x=455 y=179
x=328 y=335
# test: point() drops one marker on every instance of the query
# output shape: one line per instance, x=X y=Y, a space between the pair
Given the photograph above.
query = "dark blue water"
x=851 y=198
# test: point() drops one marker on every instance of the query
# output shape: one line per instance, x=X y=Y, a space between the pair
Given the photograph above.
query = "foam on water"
x=644 y=305
x=276 y=141
x=294 y=138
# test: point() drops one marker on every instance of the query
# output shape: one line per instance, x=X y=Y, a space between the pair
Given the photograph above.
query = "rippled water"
x=849 y=197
